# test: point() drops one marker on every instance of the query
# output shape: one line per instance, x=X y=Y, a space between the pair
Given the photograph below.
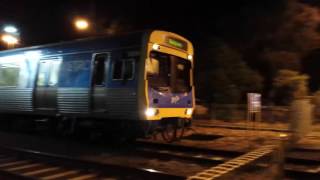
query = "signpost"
x=254 y=107
x=253 y=112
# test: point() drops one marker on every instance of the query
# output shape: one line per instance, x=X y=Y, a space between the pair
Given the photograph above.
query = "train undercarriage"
x=169 y=129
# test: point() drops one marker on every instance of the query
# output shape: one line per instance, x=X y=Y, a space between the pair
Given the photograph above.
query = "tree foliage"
x=284 y=39
x=224 y=77
x=288 y=85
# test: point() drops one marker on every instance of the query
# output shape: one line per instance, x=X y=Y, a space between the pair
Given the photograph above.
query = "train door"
x=99 y=81
x=46 y=84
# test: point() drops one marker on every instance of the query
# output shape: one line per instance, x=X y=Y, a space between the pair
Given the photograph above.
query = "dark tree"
x=222 y=75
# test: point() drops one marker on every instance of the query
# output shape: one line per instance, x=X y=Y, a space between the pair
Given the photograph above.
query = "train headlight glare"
x=189 y=112
x=156 y=46
x=190 y=57
x=151 y=112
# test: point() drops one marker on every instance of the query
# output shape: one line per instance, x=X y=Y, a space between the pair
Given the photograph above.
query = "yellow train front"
x=167 y=90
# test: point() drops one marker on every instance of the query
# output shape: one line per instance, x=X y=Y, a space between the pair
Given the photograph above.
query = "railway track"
x=234 y=164
x=293 y=167
x=302 y=163
x=184 y=153
x=26 y=164
x=238 y=127
x=186 y=148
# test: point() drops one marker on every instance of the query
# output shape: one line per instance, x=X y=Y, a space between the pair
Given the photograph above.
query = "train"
x=137 y=83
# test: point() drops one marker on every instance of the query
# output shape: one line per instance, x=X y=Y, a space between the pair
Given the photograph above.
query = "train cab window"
x=182 y=73
x=168 y=72
x=158 y=70
x=117 y=70
x=153 y=67
x=99 y=69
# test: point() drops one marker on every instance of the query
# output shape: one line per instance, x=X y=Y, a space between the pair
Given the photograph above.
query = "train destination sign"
x=177 y=43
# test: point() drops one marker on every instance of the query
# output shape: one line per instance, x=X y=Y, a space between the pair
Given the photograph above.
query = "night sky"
x=287 y=30
x=50 y=21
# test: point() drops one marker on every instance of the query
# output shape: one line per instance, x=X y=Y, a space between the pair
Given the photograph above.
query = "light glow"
x=151 y=170
x=81 y=24
x=283 y=135
x=151 y=112
x=156 y=46
x=190 y=57
x=9 y=39
x=10 y=29
x=189 y=112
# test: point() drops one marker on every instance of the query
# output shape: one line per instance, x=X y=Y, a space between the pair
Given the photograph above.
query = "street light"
x=10 y=35
x=10 y=29
x=81 y=24
x=10 y=40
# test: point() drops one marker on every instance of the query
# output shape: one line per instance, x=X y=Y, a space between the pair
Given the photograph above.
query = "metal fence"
x=239 y=112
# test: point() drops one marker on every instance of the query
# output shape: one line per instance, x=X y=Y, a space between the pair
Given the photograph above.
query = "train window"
x=123 y=69
x=167 y=72
x=75 y=71
x=117 y=70
x=99 y=69
x=158 y=70
x=153 y=67
x=9 y=74
x=42 y=74
x=129 y=69
x=48 y=72
x=54 y=73
x=182 y=72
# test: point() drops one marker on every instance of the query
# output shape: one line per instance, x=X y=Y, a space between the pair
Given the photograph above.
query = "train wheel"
x=173 y=130
x=147 y=129
x=181 y=128
x=169 y=132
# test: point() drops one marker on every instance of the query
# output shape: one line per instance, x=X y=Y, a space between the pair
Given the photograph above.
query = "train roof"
x=86 y=44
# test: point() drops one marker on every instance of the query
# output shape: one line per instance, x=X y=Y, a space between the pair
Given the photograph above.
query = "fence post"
x=300 y=118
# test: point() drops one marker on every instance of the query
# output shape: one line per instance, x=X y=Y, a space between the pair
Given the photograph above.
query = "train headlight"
x=156 y=46
x=189 y=112
x=151 y=112
x=190 y=57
